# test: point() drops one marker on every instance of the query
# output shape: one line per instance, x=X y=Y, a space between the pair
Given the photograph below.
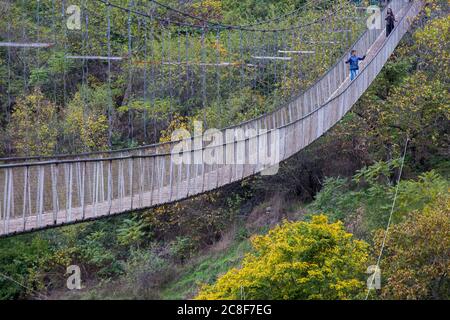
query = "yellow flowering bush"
x=297 y=260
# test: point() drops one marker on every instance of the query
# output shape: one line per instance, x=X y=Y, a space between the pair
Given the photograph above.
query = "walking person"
x=390 y=22
x=354 y=64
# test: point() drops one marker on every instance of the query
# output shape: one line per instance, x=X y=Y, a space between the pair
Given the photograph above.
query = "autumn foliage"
x=297 y=260
x=416 y=260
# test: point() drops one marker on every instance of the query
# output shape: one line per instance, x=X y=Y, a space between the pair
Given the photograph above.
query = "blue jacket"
x=354 y=62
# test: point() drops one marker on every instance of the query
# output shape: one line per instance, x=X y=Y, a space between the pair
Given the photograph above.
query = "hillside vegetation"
x=309 y=232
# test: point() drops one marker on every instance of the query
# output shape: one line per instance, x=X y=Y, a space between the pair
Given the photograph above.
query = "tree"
x=430 y=42
x=85 y=122
x=416 y=259
x=297 y=260
x=34 y=125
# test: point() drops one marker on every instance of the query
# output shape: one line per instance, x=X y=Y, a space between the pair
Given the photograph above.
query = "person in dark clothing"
x=354 y=64
x=390 y=22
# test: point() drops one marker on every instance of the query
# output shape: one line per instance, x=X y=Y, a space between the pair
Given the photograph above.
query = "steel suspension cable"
x=203 y=75
x=152 y=71
x=53 y=12
x=145 y=84
x=8 y=103
x=24 y=51
x=110 y=102
x=383 y=244
x=63 y=19
x=170 y=66
x=226 y=26
x=168 y=21
x=85 y=43
x=129 y=88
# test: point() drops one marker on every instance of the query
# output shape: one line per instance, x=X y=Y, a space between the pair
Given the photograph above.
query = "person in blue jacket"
x=354 y=64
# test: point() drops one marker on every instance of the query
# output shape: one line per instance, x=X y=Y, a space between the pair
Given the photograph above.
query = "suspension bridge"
x=39 y=192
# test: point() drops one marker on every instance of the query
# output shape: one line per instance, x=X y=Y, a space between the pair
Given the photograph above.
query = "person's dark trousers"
x=389 y=29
